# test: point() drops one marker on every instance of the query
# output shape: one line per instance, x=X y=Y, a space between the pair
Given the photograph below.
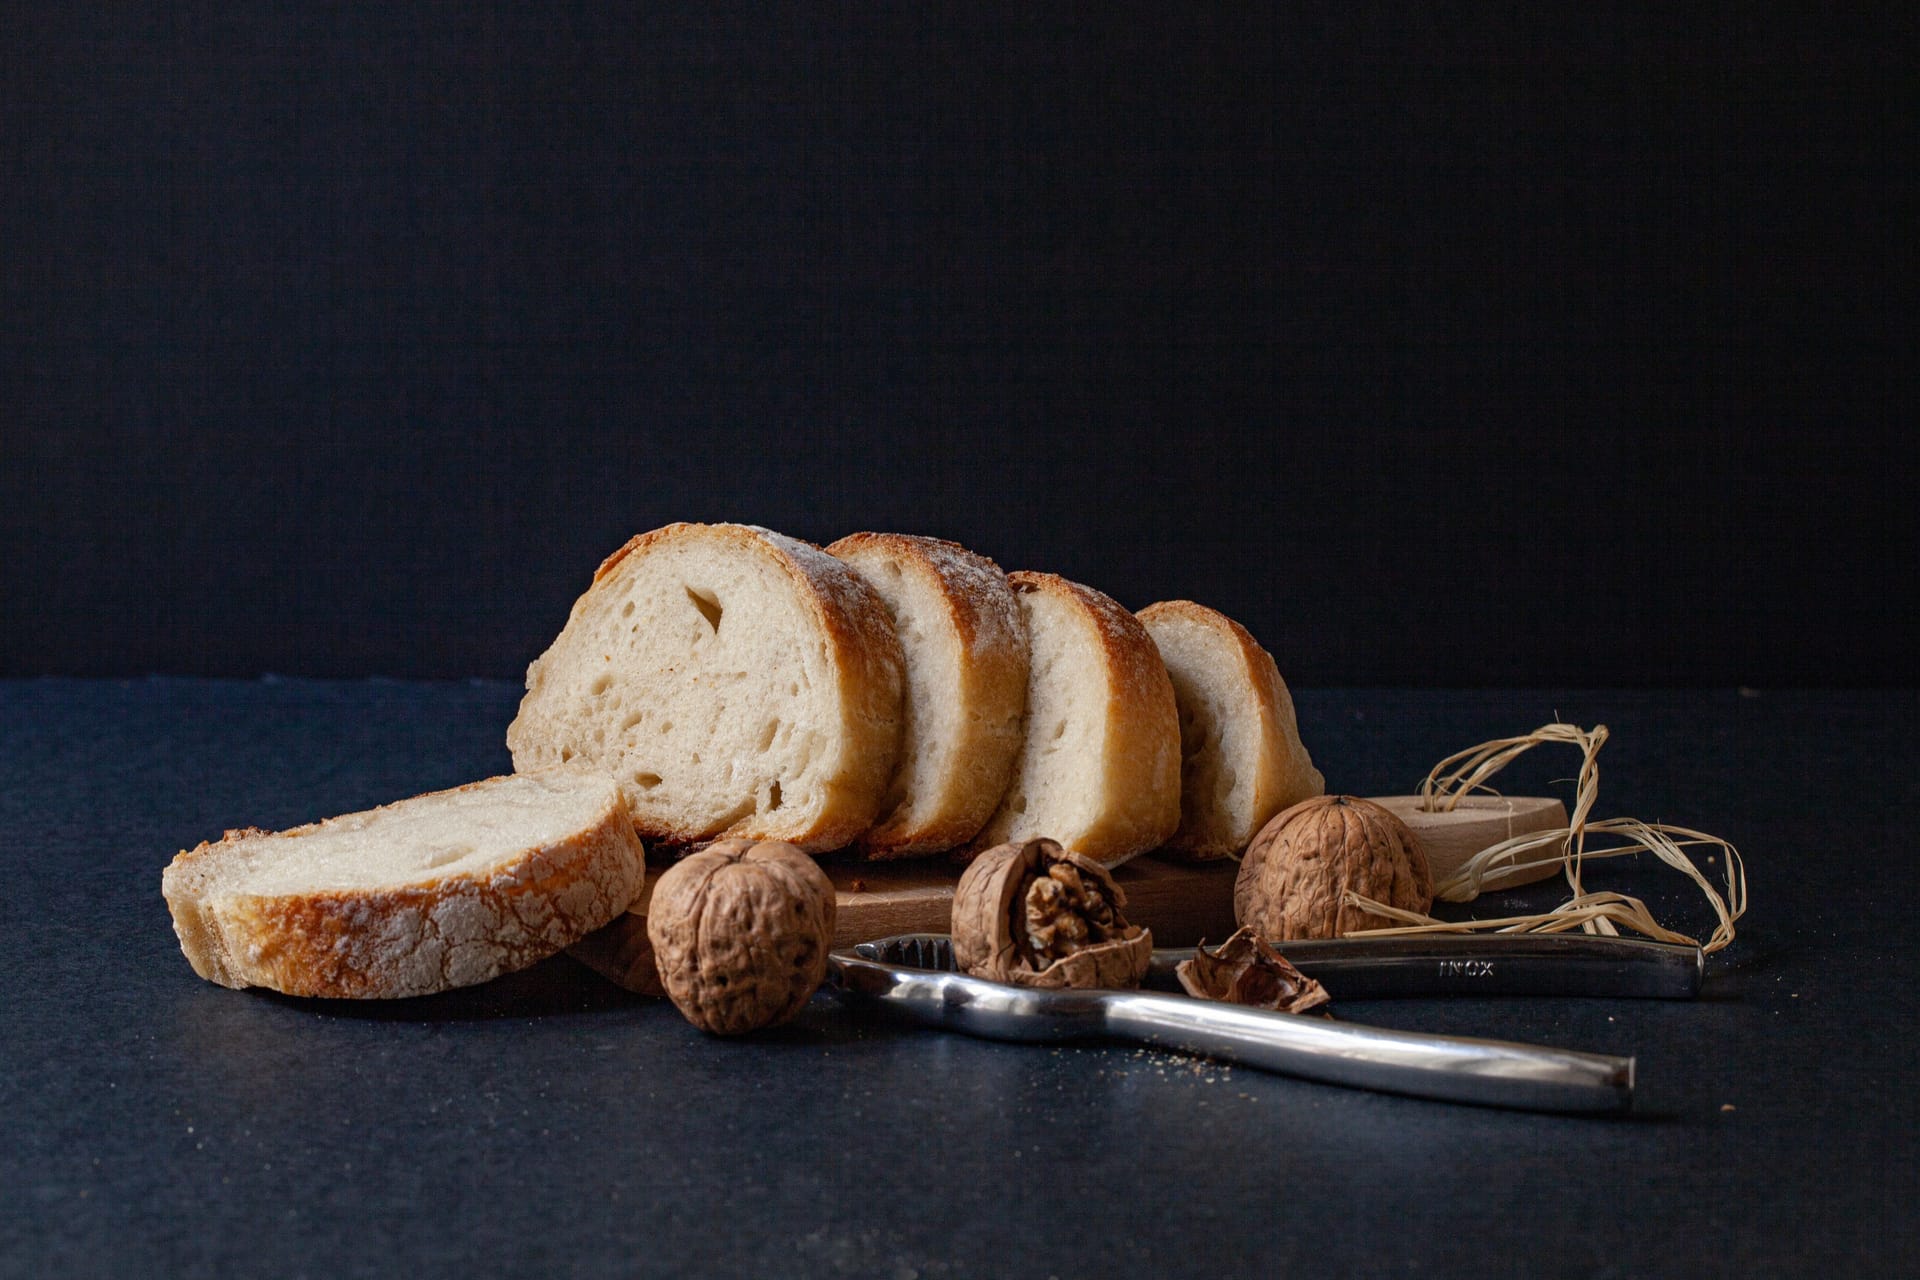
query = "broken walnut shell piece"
x=740 y=933
x=1035 y=914
x=1245 y=970
x=1294 y=877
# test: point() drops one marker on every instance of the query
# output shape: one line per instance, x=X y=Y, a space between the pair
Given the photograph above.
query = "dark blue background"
x=1487 y=348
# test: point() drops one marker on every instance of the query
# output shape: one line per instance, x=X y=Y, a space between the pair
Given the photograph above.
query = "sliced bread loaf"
x=965 y=644
x=1099 y=765
x=1241 y=758
x=733 y=681
x=440 y=891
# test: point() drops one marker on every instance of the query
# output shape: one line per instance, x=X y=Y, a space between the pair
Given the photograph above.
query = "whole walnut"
x=1295 y=874
x=740 y=934
x=1035 y=915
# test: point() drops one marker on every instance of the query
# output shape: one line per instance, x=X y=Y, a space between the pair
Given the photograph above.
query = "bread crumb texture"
x=964 y=641
x=733 y=681
x=371 y=905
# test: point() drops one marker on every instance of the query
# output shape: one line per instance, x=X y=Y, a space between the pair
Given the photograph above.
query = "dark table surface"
x=550 y=1124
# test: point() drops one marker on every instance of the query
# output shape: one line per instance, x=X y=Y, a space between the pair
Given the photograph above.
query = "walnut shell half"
x=1295 y=874
x=1245 y=970
x=740 y=934
x=1036 y=915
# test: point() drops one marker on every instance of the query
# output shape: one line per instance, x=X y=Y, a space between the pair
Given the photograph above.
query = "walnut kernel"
x=1036 y=915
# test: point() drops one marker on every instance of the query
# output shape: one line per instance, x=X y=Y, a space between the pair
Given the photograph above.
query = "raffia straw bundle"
x=1566 y=848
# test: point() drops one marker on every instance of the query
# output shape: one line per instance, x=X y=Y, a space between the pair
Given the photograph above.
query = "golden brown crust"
x=1140 y=678
x=628 y=547
x=1252 y=655
x=992 y=637
x=1142 y=780
x=1285 y=774
x=979 y=616
x=412 y=939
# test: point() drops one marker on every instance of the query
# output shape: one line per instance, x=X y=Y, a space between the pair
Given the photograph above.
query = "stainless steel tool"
x=1541 y=964
x=911 y=976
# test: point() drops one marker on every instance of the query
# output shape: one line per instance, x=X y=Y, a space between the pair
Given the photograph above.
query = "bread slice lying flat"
x=1099 y=766
x=965 y=643
x=733 y=681
x=1241 y=758
x=440 y=891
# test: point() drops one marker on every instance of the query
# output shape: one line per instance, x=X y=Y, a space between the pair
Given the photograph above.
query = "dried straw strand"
x=1467 y=771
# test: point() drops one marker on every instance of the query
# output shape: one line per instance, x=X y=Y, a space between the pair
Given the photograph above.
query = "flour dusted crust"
x=1242 y=760
x=735 y=682
x=1099 y=763
x=423 y=932
x=965 y=643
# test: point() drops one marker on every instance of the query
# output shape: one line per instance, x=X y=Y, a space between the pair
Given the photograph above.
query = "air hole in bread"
x=601 y=685
x=647 y=780
x=773 y=797
x=708 y=604
x=566 y=754
x=1059 y=730
x=1019 y=804
x=451 y=853
x=746 y=701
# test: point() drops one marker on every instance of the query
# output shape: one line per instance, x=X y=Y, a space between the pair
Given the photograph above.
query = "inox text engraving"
x=1466 y=968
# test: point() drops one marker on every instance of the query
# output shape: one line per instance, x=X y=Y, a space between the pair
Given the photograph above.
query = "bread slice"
x=440 y=891
x=736 y=683
x=1241 y=758
x=1099 y=766
x=965 y=644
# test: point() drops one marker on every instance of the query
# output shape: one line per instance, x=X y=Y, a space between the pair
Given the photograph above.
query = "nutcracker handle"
x=1449 y=1068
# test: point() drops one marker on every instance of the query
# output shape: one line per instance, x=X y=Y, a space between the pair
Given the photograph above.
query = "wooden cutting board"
x=1182 y=903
